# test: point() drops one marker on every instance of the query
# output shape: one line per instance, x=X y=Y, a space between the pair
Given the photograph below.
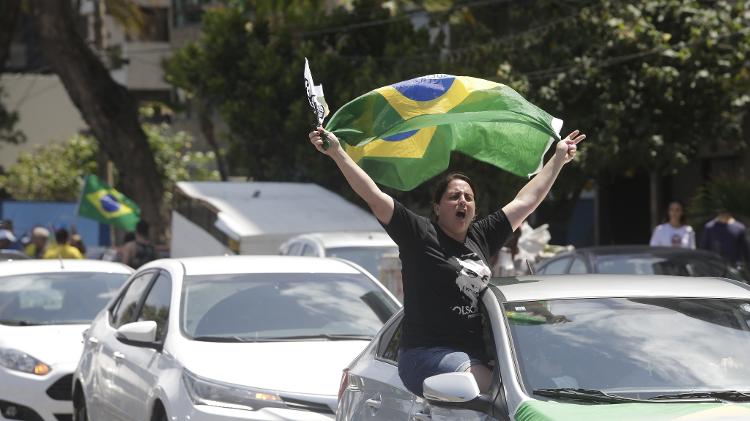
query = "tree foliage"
x=55 y=172
x=652 y=82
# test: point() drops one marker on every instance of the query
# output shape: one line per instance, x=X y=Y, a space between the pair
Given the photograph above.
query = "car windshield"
x=268 y=306
x=638 y=347
x=367 y=257
x=663 y=265
x=56 y=298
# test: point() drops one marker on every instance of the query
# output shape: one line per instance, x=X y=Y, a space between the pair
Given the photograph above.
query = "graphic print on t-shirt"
x=472 y=278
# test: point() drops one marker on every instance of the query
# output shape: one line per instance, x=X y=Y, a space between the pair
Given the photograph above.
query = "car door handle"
x=118 y=356
x=421 y=416
x=374 y=402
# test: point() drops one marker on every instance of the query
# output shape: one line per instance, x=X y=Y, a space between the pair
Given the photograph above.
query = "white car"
x=229 y=338
x=365 y=248
x=45 y=305
x=580 y=347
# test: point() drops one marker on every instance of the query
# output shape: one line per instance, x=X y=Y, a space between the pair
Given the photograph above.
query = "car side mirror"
x=458 y=390
x=138 y=333
x=451 y=387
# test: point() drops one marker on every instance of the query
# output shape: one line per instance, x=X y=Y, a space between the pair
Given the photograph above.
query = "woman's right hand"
x=317 y=140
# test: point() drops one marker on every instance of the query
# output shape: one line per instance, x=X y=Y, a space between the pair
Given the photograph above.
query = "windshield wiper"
x=588 y=395
x=18 y=323
x=221 y=339
x=326 y=336
x=713 y=395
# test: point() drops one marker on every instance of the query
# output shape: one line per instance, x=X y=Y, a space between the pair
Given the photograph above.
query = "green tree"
x=54 y=172
x=9 y=11
x=248 y=63
x=654 y=82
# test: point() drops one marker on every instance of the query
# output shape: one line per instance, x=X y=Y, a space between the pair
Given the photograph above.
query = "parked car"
x=365 y=248
x=45 y=305
x=572 y=348
x=229 y=338
x=640 y=260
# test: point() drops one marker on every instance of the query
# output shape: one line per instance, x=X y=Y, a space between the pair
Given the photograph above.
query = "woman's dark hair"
x=442 y=186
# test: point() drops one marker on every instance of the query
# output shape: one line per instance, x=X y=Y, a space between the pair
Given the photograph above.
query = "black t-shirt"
x=442 y=278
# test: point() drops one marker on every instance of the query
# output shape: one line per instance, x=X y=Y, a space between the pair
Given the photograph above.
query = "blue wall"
x=26 y=215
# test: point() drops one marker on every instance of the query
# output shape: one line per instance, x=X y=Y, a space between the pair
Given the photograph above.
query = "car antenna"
x=530 y=266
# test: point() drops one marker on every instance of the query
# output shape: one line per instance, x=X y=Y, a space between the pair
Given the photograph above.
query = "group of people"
x=723 y=235
x=135 y=251
x=38 y=245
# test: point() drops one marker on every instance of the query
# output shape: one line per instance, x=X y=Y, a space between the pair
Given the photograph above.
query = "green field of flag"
x=403 y=134
x=101 y=202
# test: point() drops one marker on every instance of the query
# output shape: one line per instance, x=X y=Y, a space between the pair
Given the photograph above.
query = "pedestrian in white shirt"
x=674 y=233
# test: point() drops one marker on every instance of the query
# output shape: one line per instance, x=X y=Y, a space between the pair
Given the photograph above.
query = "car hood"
x=51 y=344
x=308 y=367
x=658 y=411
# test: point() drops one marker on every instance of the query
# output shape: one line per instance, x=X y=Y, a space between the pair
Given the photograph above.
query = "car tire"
x=80 y=413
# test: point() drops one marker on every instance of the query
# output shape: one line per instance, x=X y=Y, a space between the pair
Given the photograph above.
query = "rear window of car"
x=661 y=265
x=56 y=298
x=282 y=305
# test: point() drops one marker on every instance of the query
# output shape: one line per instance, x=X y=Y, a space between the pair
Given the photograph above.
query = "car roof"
x=349 y=239
x=550 y=287
x=217 y=265
x=18 y=267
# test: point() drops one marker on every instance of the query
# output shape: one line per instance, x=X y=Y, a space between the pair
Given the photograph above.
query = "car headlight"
x=21 y=361
x=213 y=393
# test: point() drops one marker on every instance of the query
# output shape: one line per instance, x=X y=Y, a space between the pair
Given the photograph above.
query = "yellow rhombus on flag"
x=101 y=202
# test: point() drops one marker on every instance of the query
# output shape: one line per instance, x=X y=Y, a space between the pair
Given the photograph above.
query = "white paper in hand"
x=315 y=96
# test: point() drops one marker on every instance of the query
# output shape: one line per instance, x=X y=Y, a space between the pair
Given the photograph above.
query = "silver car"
x=584 y=347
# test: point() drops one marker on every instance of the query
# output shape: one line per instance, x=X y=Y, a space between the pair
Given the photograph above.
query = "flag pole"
x=111 y=182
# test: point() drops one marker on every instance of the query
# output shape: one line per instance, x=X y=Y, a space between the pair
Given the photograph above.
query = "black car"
x=641 y=260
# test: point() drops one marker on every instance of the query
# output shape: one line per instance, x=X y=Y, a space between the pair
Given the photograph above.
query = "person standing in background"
x=674 y=232
x=139 y=251
x=38 y=244
x=726 y=236
x=62 y=250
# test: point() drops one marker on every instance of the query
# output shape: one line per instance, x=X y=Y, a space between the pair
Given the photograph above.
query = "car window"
x=156 y=305
x=621 y=346
x=127 y=307
x=56 y=298
x=294 y=249
x=367 y=257
x=390 y=341
x=556 y=267
x=578 y=266
x=648 y=264
x=282 y=305
x=309 y=250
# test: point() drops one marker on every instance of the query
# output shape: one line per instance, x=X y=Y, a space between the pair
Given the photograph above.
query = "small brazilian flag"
x=403 y=134
x=103 y=203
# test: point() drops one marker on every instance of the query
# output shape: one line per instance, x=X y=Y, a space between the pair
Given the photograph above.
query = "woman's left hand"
x=566 y=148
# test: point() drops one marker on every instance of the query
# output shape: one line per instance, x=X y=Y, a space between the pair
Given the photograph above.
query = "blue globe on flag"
x=109 y=203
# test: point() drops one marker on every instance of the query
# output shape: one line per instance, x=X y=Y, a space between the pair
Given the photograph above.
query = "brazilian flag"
x=403 y=134
x=101 y=202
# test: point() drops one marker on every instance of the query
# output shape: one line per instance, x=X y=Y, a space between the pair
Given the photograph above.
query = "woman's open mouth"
x=461 y=214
